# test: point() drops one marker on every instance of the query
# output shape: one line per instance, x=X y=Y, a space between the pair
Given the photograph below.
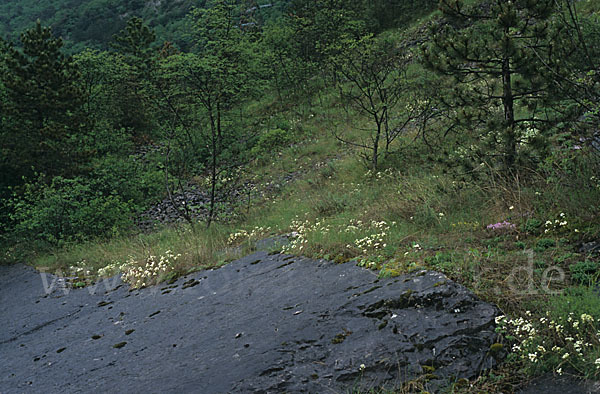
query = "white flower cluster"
x=529 y=133
x=370 y=236
x=374 y=241
x=110 y=270
x=80 y=269
x=254 y=234
x=569 y=340
x=301 y=230
x=561 y=222
x=141 y=274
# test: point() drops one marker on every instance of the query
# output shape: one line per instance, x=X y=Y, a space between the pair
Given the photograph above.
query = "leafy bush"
x=545 y=243
x=270 y=140
x=67 y=210
x=282 y=123
x=532 y=226
x=584 y=272
x=133 y=181
x=441 y=261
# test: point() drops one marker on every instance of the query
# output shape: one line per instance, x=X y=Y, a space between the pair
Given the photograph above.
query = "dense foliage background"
x=398 y=134
x=92 y=85
x=91 y=24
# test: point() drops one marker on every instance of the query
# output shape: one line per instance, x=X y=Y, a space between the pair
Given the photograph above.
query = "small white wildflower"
x=532 y=357
x=511 y=207
x=541 y=349
x=565 y=356
x=362 y=367
x=587 y=318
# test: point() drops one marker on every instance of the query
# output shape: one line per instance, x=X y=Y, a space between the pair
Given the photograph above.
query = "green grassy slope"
x=515 y=242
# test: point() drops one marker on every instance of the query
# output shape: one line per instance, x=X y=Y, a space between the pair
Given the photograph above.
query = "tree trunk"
x=219 y=134
x=213 y=169
x=375 y=157
x=185 y=213
x=510 y=144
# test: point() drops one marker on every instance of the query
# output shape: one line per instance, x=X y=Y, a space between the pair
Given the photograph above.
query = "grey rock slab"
x=273 y=243
x=592 y=247
x=264 y=323
x=549 y=384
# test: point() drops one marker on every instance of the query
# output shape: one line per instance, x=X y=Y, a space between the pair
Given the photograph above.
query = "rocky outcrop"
x=265 y=323
x=195 y=201
x=553 y=384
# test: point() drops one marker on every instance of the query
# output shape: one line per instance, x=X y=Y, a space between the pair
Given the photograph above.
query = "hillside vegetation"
x=92 y=24
x=462 y=139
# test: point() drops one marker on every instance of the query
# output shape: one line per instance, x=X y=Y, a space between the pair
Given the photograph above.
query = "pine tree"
x=43 y=105
x=7 y=176
x=135 y=42
x=135 y=45
x=496 y=53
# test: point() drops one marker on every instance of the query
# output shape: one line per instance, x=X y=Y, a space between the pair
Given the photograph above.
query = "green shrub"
x=135 y=182
x=67 y=210
x=532 y=226
x=327 y=171
x=283 y=124
x=545 y=243
x=270 y=140
x=584 y=272
x=441 y=260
